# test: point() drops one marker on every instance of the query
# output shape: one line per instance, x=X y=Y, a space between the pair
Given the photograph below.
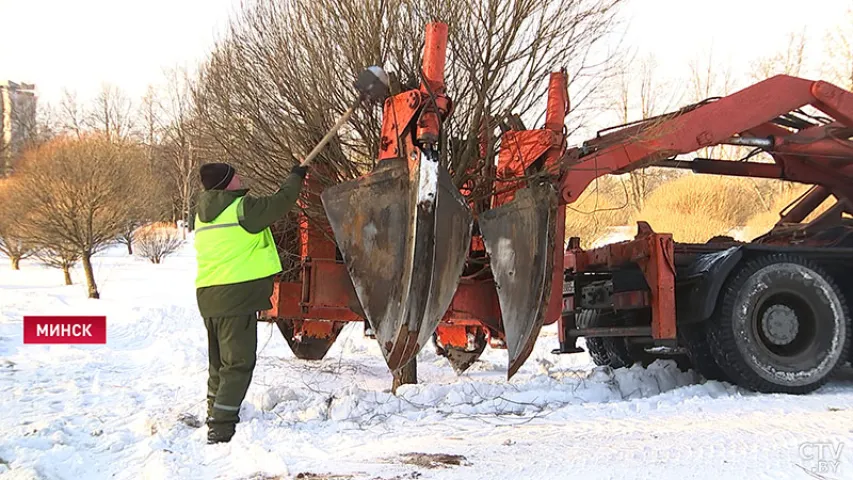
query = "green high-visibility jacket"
x=239 y=299
x=228 y=254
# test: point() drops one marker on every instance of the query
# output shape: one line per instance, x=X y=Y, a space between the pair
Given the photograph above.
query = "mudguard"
x=705 y=275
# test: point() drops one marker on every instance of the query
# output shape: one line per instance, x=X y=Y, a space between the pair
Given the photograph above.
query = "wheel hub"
x=780 y=324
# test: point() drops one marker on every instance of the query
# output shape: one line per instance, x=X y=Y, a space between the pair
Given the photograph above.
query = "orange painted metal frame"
x=654 y=254
x=542 y=150
x=325 y=293
x=812 y=155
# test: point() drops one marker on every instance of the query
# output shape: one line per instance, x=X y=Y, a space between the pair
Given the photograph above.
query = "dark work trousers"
x=232 y=344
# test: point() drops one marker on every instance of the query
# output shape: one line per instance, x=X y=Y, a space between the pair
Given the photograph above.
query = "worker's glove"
x=300 y=170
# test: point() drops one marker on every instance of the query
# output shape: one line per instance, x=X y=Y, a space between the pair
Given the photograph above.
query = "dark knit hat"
x=216 y=176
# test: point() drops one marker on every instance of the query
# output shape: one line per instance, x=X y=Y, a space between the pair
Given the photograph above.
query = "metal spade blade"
x=519 y=238
x=403 y=231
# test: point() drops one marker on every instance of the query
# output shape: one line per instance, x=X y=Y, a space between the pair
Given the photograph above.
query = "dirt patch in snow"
x=433 y=460
x=321 y=476
x=190 y=420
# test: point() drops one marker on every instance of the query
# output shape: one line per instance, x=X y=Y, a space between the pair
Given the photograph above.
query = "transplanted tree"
x=283 y=74
x=79 y=194
x=277 y=82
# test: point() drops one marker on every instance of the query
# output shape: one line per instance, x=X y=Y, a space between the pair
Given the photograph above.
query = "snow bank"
x=131 y=408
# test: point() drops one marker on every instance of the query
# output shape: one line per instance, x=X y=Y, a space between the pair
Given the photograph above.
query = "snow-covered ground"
x=114 y=411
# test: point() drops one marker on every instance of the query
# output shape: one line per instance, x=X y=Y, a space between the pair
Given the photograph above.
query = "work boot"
x=218 y=431
x=217 y=436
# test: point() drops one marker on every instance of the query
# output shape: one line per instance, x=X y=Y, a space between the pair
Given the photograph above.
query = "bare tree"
x=182 y=153
x=14 y=247
x=12 y=243
x=276 y=83
x=157 y=241
x=839 y=53
x=709 y=79
x=790 y=61
x=150 y=116
x=112 y=114
x=150 y=206
x=639 y=92
x=61 y=256
x=79 y=193
x=71 y=114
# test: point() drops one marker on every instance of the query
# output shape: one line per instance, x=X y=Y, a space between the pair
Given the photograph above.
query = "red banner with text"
x=65 y=330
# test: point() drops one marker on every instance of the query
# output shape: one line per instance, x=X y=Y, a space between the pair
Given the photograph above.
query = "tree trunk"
x=90 y=276
x=407 y=375
x=67 y=273
x=16 y=263
x=129 y=247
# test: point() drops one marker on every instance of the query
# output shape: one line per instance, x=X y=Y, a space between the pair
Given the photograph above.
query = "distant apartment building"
x=18 y=120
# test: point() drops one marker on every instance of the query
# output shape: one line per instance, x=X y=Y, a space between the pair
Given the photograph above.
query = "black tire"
x=782 y=326
x=845 y=283
x=614 y=352
x=605 y=351
x=695 y=338
x=594 y=345
x=618 y=352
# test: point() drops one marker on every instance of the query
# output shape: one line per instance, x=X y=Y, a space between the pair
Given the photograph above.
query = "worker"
x=237 y=259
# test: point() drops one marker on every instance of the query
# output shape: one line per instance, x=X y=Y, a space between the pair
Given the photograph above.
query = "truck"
x=419 y=259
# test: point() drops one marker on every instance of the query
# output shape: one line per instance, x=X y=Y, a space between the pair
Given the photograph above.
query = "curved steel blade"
x=519 y=238
x=403 y=232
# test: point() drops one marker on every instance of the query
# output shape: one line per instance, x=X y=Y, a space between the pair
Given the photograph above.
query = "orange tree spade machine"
x=416 y=258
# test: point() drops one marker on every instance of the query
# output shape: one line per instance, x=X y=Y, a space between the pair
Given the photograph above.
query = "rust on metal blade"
x=404 y=261
x=400 y=349
x=519 y=238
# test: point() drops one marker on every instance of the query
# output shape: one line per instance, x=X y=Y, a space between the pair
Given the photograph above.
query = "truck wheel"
x=647 y=356
x=618 y=352
x=845 y=284
x=605 y=351
x=782 y=326
x=695 y=338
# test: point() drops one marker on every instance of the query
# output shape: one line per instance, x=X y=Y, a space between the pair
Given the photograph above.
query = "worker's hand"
x=300 y=170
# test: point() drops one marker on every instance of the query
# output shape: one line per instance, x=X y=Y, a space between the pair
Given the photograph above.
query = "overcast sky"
x=80 y=44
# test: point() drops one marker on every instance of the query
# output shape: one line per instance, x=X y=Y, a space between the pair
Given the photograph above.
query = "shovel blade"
x=403 y=253
x=519 y=238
